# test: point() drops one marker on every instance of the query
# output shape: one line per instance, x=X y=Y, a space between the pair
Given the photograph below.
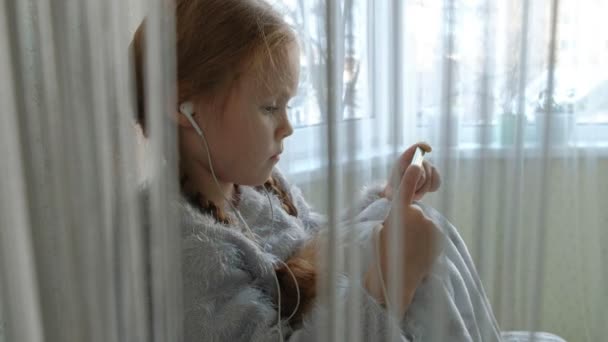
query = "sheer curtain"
x=512 y=95
x=522 y=174
x=74 y=262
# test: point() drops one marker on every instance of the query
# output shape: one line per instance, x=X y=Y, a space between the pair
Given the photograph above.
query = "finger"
x=406 y=158
x=422 y=190
x=408 y=155
x=435 y=180
x=424 y=182
x=388 y=192
x=432 y=179
x=407 y=189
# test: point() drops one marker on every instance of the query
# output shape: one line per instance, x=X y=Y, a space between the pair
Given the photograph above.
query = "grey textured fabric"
x=452 y=293
x=228 y=282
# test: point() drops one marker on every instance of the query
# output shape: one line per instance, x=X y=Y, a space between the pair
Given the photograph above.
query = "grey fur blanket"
x=228 y=282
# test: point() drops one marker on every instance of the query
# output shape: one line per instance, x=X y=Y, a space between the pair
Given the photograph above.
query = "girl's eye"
x=270 y=109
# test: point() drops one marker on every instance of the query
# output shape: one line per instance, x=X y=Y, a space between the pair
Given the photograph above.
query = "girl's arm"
x=368 y=196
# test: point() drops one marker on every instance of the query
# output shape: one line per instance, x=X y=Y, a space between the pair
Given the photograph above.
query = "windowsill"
x=462 y=151
x=593 y=142
x=475 y=151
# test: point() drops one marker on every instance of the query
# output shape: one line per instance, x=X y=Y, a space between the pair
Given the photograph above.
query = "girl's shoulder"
x=311 y=219
x=189 y=221
x=291 y=191
x=211 y=245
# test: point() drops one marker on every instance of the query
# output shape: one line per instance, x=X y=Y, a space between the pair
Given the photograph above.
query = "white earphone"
x=187 y=109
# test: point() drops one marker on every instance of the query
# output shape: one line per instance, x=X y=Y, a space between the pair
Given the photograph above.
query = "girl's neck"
x=197 y=179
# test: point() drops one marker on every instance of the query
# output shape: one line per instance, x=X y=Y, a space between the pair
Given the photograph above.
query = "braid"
x=219 y=214
x=208 y=207
x=272 y=185
x=302 y=265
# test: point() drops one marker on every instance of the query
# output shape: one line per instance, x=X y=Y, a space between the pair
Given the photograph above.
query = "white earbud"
x=187 y=110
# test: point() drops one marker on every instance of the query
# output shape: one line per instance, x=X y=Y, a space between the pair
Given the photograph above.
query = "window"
x=486 y=65
x=485 y=59
x=307 y=17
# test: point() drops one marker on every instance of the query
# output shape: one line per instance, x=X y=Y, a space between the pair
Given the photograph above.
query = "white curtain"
x=74 y=262
x=472 y=78
x=512 y=95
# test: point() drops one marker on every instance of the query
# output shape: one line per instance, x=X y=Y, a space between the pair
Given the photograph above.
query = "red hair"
x=216 y=40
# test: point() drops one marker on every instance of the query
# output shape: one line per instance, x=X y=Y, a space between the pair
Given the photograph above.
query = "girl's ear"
x=180 y=119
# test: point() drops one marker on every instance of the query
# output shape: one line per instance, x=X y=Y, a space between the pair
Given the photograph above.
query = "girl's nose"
x=285 y=129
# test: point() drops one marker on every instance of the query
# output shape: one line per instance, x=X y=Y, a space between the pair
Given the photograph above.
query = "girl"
x=241 y=221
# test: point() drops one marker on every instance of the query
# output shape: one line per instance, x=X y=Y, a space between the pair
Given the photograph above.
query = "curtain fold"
x=512 y=95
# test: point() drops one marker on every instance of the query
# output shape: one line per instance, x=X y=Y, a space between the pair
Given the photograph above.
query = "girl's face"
x=245 y=134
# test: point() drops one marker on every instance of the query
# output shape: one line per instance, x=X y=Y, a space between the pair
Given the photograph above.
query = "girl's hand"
x=429 y=182
x=419 y=245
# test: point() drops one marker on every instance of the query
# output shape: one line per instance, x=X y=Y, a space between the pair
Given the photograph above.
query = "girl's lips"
x=277 y=156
